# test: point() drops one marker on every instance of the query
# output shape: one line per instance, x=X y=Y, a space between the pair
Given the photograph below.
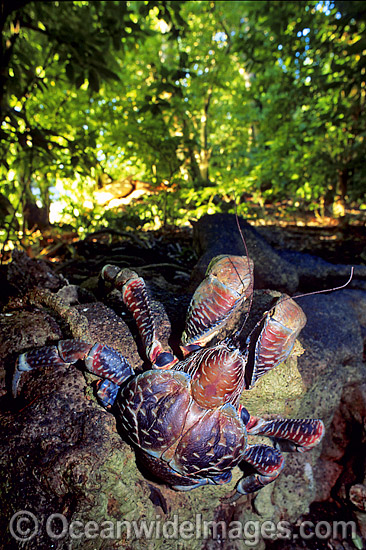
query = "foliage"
x=310 y=101
x=201 y=101
x=59 y=59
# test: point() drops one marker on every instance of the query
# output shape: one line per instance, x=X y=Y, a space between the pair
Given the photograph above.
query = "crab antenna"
x=251 y=273
x=325 y=290
x=236 y=337
x=301 y=296
x=314 y=292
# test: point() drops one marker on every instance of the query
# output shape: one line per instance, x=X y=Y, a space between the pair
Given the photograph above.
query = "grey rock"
x=316 y=273
x=219 y=234
x=331 y=335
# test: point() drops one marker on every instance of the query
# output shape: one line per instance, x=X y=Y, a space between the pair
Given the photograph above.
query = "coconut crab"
x=183 y=417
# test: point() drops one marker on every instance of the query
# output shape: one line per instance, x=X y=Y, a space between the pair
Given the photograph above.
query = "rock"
x=282 y=270
x=20 y=331
x=219 y=234
x=316 y=274
x=331 y=364
x=332 y=333
x=357 y=495
x=356 y=300
x=25 y=274
x=60 y=452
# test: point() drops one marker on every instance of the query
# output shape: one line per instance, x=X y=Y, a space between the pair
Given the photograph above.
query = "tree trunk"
x=339 y=204
x=205 y=154
x=34 y=216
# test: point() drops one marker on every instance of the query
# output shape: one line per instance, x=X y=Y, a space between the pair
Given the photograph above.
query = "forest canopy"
x=146 y=113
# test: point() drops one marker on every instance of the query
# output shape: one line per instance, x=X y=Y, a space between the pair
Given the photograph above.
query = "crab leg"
x=268 y=463
x=289 y=435
x=101 y=360
x=176 y=480
x=136 y=299
x=220 y=479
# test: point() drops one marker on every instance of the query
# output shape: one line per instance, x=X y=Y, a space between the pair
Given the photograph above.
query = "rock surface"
x=218 y=234
x=60 y=452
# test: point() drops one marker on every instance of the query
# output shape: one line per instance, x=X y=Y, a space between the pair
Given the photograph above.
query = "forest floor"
x=336 y=244
x=327 y=238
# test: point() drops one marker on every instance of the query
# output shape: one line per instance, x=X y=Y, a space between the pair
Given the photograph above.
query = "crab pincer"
x=226 y=288
x=273 y=338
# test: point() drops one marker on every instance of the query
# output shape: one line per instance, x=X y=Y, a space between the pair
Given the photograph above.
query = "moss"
x=279 y=391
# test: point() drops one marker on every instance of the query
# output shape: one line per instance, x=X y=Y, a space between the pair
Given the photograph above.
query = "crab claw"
x=228 y=283
x=274 y=338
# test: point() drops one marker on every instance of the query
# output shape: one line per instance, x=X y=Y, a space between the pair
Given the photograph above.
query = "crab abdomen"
x=160 y=417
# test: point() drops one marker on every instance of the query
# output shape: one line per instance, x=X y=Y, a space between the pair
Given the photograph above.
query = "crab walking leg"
x=289 y=435
x=268 y=463
x=136 y=299
x=176 y=480
x=101 y=360
x=220 y=479
x=107 y=392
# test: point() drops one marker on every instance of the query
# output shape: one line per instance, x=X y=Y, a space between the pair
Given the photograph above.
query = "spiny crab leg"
x=289 y=434
x=136 y=299
x=268 y=463
x=103 y=361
